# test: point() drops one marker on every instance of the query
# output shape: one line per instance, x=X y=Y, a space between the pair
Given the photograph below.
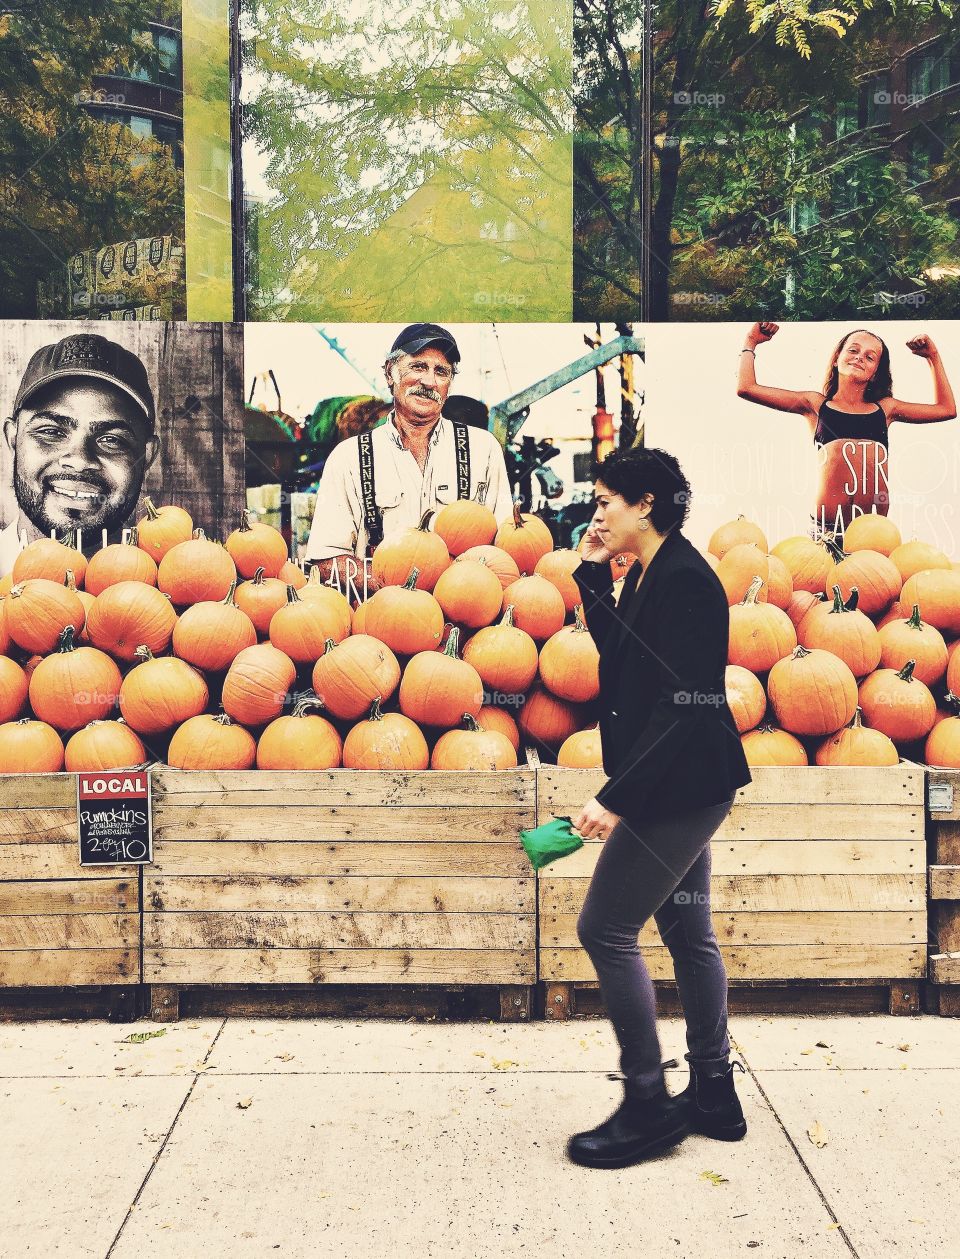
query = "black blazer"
x=669 y=740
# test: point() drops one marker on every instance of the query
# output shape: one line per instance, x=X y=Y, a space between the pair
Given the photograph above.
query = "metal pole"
x=237 y=213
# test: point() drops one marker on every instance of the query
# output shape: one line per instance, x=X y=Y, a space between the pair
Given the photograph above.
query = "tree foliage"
x=67 y=181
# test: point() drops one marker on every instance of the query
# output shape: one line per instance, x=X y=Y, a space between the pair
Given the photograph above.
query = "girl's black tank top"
x=834 y=425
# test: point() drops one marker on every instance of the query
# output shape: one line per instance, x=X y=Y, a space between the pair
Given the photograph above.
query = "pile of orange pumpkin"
x=841 y=655
x=172 y=647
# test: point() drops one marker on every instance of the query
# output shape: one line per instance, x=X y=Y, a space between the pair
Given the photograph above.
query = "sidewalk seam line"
x=163 y=1144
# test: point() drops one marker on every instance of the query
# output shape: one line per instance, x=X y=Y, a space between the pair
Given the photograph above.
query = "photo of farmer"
x=850 y=416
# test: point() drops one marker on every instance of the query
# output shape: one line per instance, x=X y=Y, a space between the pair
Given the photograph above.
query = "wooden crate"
x=818 y=874
x=943 y=810
x=340 y=877
x=61 y=924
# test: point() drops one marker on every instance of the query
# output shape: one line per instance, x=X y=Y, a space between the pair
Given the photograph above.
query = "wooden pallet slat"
x=317 y=966
x=69 y=931
x=772 y=927
x=306 y=857
x=783 y=856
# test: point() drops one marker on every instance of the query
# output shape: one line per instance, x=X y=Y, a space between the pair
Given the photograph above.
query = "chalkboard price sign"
x=114 y=818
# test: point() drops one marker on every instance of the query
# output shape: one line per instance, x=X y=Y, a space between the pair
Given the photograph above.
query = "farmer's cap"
x=90 y=356
x=418 y=336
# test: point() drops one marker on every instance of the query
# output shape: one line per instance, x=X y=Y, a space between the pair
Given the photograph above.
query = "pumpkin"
x=779 y=582
x=385 y=741
x=207 y=742
x=4 y=632
x=437 y=688
x=937 y=593
x=128 y=615
x=210 y=635
x=526 y=538
x=465 y=524
x=855 y=744
x=49 y=559
x=538 y=607
x=303 y=740
x=292 y=575
x=621 y=564
x=122 y=561
x=261 y=598
x=38 y=611
x=582 y=750
x=255 y=545
x=809 y=562
x=30 y=747
x=6 y=583
x=917 y=557
x=558 y=567
x=896 y=703
x=895 y=612
x=160 y=693
x=738 y=568
x=163 y=528
x=85 y=598
x=570 y=663
x=801 y=601
x=746 y=698
x=844 y=630
x=257 y=683
x=875 y=576
x=497 y=560
x=103 y=745
x=301 y=628
x=492 y=717
x=942 y=747
x=359 y=619
x=469 y=593
x=736 y=533
x=406 y=619
x=412 y=548
x=760 y=633
x=74 y=686
x=14 y=685
x=871 y=532
x=770 y=746
x=812 y=692
x=350 y=675
x=712 y=560
x=546 y=720
x=504 y=656
x=473 y=748
x=196 y=571
x=909 y=639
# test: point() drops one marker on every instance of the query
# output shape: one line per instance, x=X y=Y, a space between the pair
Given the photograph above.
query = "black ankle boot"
x=639 y=1129
x=712 y=1106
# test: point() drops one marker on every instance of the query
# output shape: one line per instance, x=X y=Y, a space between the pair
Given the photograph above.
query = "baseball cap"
x=417 y=336
x=86 y=354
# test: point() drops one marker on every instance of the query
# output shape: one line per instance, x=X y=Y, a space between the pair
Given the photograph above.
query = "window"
x=168 y=60
x=808 y=215
x=928 y=72
x=875 y=95
x=848 y=117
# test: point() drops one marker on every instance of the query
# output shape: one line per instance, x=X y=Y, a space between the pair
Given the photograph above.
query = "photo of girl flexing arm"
x=850 y=417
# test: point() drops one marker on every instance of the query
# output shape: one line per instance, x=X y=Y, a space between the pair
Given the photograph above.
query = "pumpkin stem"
x=906 y=673
x=914 y=622
x=851 y=603
x=199 y=535
x=453 y=641
x=580 y=625
x=411 y=582
x=223 y=719
x=17 y=591
x=292 y=596
x=143 y=652
x=950 y=700
x=257 y=577
x=375 y=713
x=228 y=601
x=507 y=618
x=799 y=652
x=833 y=546
x=70 y=581
x=471 y=723
x=837 y=600
x=751 y=595
x=245 y=525
x=328 y=646
x=424 y=525
x=856 y=721
x=305 y=703
x=152 y=513
x=517 y=517
x=65 y=641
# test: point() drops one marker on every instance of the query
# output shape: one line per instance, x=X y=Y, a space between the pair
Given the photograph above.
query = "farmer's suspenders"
x=372 y=515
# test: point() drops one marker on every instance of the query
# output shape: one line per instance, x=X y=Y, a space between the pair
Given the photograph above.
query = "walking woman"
x=674 y=760
x=850 y=417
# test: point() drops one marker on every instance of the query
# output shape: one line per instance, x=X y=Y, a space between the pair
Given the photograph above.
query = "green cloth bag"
x=553 y=839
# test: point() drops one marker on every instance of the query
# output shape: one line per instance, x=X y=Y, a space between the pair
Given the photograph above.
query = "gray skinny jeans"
x=661 y=868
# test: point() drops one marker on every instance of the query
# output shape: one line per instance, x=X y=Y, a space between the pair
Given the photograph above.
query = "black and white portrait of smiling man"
x=97 y=415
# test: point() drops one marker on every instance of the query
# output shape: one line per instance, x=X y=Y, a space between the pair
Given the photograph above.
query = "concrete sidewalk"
x=243 y=1137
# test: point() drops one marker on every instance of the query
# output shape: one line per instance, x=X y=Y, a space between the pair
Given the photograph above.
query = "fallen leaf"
x=245 y=1103
x=805 y=1052
x=817 y=1134
x=284 y=1057
x=831 y=1226
x=822 y=1044
x=714 y=1178
x=504 y=1064
x=478 y=1053
x=137 y=1038
x=904 y=1049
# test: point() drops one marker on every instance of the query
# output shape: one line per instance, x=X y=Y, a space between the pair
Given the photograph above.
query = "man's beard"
x=97 y=514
